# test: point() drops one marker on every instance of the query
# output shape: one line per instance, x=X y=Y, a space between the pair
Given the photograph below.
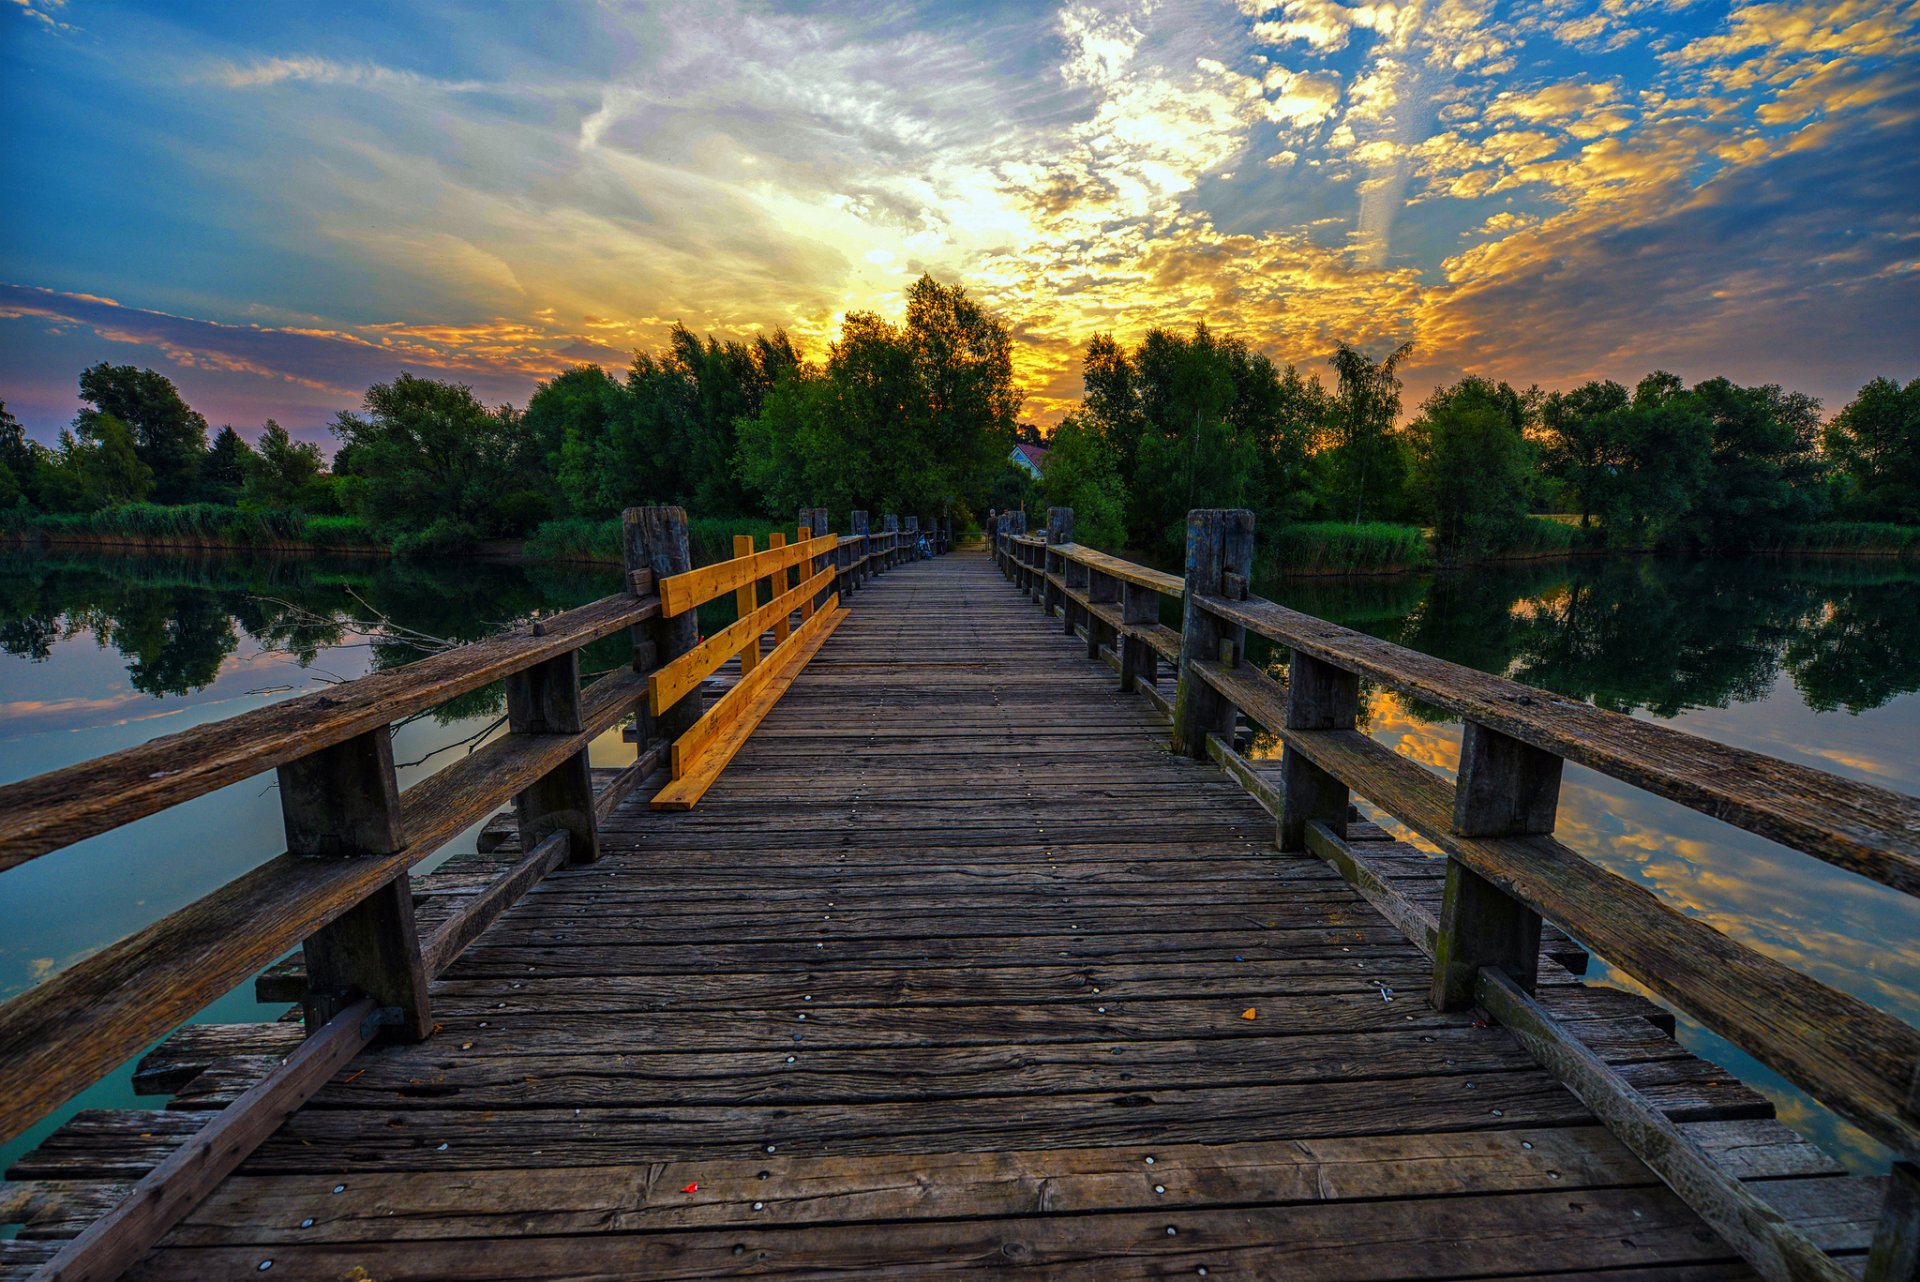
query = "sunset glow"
x=276 y=207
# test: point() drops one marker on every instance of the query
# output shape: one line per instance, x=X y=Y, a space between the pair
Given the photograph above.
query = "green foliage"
x=1082 y=473
x=709 y=538
x=285 y=473
x=169 y=435
x=901 y=418
x=1875 y=444
x=429 y=461
x=1198 y=421
x=1365 y=460
x=223 y=472
x=194 y=525
x=1472 y=466
x=94 y=468
x=1338 y=547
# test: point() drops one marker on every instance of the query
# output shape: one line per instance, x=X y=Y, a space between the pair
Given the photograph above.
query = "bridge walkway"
x=957 y=967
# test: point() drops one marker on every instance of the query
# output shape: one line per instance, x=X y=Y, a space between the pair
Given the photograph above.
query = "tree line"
x=921 y=416
x=1198 y=420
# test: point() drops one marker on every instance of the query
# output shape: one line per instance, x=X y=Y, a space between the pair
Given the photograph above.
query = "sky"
x=278 y=205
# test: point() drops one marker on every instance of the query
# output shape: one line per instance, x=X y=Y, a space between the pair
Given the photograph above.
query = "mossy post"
x=1219 y=544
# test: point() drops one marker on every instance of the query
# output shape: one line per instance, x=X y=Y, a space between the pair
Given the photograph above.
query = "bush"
x=1340 y=547
x=446 y=536
x=710 y=538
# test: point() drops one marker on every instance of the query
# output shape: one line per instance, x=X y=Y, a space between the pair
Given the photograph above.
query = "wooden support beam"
x=545 y=700
x=1219 y=543
x=655 y=539
x=343 y=802
x=1506 y=788
x=1053 y=566
x=1138 y=661
x=746 y=599
x=777 y=586
x=164 y=1196
x=857 y=526
x=1319 y=697
x=1895 y=1256
x=1776 y=1250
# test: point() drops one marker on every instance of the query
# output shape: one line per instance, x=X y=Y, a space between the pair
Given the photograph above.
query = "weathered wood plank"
x=63 y=806
x=1859 y=826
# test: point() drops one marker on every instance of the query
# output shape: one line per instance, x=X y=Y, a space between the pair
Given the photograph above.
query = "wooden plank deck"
x=956 y=967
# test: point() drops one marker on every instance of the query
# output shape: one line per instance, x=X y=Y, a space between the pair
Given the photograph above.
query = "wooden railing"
x=1505 y=871
x=341 y=892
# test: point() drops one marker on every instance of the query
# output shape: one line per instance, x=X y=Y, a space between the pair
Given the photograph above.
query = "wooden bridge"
x=929 y=946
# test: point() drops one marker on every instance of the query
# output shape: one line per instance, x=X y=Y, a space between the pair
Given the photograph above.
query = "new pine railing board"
x=682 y=592
x=736 y=722
x=685 y=673
x=63 y=806
x=689 y=747
x=1866 y=829
x=137 y=989
x=1843 y=1052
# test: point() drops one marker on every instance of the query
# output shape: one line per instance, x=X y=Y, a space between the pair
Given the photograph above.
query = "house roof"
x=1034 y=454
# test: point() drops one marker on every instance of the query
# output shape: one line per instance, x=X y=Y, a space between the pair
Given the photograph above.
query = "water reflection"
x=1816 y=662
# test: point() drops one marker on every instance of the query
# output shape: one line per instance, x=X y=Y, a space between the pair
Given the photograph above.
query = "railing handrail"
x=1856 y=1059
x=1505 y=871
x=56 y=809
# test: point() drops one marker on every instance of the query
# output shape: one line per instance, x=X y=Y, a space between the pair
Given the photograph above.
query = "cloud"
x=267 y=72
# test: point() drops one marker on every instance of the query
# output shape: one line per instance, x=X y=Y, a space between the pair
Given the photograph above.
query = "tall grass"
x=1342 y=547
x=190 y=525
x=1857 y=538
x=582 y=539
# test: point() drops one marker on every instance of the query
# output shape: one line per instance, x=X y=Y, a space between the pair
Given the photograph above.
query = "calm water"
x=1815 y=662
x=1812 y=661
x=99 y=654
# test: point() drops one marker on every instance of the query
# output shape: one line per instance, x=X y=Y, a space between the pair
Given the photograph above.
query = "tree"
x=1665 y=438
x=429 y=458
x=285 y=473
x=18 y=464
x=1761 y=473
x=1472 y=465
x=1875 y=443
x=169 y=435
x=572 y=419
x=96 y=466
x=1365 y=462
x=224 y=471
x=900 y=417
x=1582 y=441
x=1082 y=473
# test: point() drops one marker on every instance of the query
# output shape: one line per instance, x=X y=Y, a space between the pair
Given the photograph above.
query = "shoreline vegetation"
x=1306 y=549
x=922 y=416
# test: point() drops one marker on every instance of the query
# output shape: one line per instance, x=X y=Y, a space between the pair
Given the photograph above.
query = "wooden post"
x=1895 y=1256
x=655 y=539
x=1138 y=660
x=1059 y=530
x=745 y=601
x=343 y=802
x=891 y=524
x=777 y=582
x=1506 y=789
x=1102 y=589
x=1219 y=543
x=857 y=526
x=1319 y=697
x=818 y=563
x=545 y=700
x=796 y=575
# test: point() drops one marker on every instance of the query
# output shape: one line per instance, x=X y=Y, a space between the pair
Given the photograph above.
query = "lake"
x=1817 y=662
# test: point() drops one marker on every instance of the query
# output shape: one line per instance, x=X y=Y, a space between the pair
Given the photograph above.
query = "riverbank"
x=1308 y=549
